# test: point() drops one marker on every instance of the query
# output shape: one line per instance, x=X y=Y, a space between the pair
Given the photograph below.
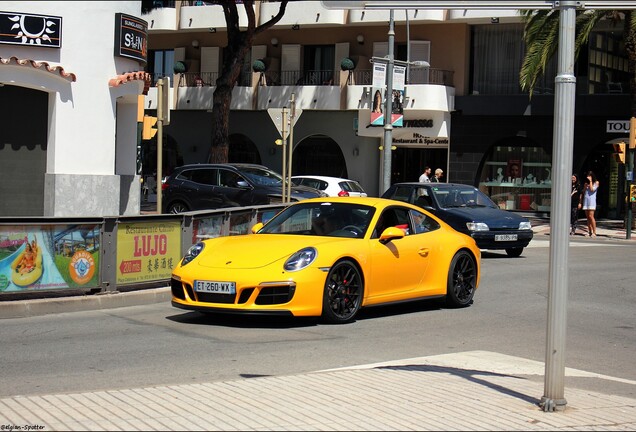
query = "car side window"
x=402 y=193
x=228 y=178
x=201 y=176
x=392 y=217
x=423 y=223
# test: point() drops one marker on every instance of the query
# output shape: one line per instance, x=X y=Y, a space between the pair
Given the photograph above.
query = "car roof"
x=326 y=178
x=436 y=185
x=369 y=201
x=221 y=165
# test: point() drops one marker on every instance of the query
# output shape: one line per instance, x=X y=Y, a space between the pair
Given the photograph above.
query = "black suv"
x=212 y=186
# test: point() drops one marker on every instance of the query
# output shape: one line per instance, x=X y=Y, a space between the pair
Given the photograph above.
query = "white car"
x=332 y=186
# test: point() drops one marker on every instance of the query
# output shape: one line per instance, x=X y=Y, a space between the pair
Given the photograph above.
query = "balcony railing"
x=416 y=76
x=308 y=78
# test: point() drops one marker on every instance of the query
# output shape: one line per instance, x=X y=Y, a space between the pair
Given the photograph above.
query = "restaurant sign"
x=131 y=37
x=30 y=30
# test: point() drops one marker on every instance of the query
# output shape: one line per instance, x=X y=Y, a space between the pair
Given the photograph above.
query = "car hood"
x=494 y=218
x=298 y=192
x=253 y=251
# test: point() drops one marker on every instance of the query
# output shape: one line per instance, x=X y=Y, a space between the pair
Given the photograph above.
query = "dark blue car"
x=469 y=211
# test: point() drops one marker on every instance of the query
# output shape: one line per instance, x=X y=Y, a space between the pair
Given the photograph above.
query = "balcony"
x=162 y=17
x=366 y=17
x=302 y=14
x=198 y=15
x=428 y=90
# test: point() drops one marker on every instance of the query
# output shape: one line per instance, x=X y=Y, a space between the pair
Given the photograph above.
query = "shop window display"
x=518 y=178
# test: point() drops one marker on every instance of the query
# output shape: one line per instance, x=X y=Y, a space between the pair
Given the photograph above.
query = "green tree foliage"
x=541 y=36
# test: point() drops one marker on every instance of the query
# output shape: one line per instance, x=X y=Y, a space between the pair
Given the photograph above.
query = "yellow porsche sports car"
x=330 y=257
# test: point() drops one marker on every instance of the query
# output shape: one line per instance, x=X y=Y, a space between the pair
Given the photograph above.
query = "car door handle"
x=423 y=252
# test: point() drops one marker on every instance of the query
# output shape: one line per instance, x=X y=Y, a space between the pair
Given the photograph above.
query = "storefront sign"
x=147 y=251
x=49 y=257
x=421 y=141
x=618 y=126
x=30 y=30
x=131 y=35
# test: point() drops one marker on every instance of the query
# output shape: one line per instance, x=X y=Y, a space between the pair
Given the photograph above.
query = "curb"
x=110 y=300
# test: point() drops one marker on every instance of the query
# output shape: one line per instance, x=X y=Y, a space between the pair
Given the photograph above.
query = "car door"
x=233 y=190
x=399 y=266
x=199 y=187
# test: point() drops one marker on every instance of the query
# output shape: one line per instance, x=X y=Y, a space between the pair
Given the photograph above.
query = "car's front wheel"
x=514 y=252
x=342 y=296
x=462 y=280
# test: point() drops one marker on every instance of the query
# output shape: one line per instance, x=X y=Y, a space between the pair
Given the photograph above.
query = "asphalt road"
x=157 y=344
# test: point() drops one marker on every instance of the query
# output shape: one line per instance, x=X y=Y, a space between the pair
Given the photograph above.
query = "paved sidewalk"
x=605 y=229
x=464 y=391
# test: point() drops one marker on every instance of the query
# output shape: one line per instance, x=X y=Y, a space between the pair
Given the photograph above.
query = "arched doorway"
x=605 y=161
x=23 y=149
x=242 y=150
x=319 y=155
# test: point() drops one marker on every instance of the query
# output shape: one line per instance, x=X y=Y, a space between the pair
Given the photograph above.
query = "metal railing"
x=417 y=76
x=308 y=78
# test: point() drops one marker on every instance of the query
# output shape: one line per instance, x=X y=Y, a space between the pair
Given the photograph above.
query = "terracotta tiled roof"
x=57 y=70
x=129 y=77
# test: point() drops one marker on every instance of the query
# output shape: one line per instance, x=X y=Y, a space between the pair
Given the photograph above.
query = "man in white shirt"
x=425 y=177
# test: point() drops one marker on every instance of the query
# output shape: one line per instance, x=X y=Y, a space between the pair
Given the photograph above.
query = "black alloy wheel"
x=342 y=296
x=462 y=280
x=177 y=207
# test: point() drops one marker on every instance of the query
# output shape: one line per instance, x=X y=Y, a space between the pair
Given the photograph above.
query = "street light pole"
x=388 y=126
x=565 y=92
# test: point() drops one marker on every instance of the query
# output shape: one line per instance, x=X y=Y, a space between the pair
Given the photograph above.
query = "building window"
x=607 y=71
x=517 y=177
x=161 y=63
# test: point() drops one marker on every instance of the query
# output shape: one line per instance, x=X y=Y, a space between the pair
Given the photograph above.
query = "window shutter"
x=380 y=49
x=179 y=54
x=342 y=51
x=290 y=64
x=210 y=63
x=420 y=50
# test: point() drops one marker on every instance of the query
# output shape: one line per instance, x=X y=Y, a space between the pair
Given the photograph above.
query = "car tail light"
x=164 y=185
x=343 y=193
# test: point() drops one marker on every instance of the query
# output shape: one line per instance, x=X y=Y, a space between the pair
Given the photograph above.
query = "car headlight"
x=477 y=226
x=525 y=225
x=192 y=253
x=300 y=259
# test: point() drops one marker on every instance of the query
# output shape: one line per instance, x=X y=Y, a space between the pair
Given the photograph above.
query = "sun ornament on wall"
x=33 y=29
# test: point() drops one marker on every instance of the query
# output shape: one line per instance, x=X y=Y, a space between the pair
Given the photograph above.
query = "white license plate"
x=215 y=287
x=505 y=237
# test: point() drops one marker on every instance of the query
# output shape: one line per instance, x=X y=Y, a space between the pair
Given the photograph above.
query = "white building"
x=69 y=87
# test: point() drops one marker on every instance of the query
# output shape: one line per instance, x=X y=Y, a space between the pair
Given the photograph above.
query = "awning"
x=56 y=70
x=130 y=77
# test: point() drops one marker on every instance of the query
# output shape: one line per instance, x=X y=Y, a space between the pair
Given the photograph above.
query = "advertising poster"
x=205 y=228
x=147 y=251
x=49 y=257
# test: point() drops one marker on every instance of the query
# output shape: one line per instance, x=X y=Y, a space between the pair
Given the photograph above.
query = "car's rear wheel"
x=462 y=280
x=514 y=252
x=177 y=207
x=342 y=296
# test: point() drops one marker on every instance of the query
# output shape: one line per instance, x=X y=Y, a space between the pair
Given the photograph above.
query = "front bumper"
x=486 y=239
x=258 y=292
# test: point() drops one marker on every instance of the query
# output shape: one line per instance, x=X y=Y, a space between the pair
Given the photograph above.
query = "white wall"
x=83 y=114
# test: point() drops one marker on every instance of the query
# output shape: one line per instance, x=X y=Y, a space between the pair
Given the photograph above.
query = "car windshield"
x=322 y=219
x=462 y=197
x=262 y=176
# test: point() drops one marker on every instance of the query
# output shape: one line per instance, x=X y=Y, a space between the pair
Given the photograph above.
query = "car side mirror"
x=257 y=227
x=242 y=183
x=391 y=233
